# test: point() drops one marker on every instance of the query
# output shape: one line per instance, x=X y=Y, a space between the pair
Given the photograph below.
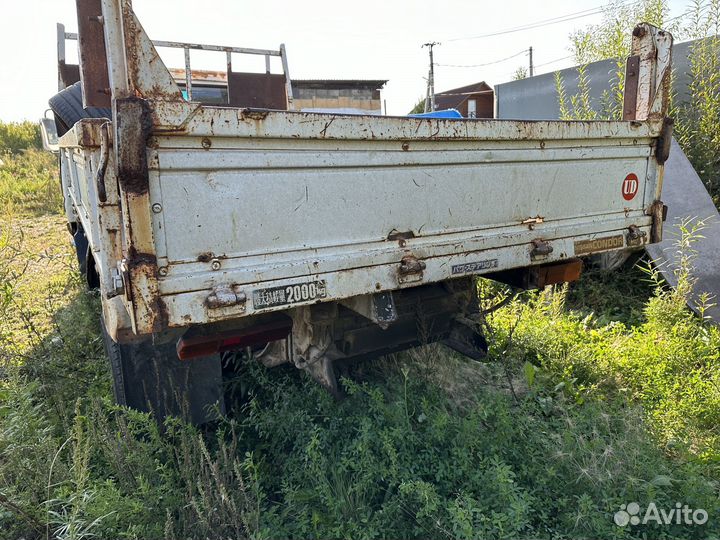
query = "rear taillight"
x=204 y=345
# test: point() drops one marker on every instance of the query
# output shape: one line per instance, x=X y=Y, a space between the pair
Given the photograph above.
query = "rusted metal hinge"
x=224 y=296
x=117 y=287
x=532 y=221
x=662 y=146
x=658 y=212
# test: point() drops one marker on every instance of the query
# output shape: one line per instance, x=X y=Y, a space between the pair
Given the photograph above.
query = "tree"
x=419 y=107
x=520 y=73
x=697 y=120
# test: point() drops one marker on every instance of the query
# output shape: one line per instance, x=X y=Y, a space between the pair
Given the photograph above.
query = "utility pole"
x=430 y=97
x=531 y=63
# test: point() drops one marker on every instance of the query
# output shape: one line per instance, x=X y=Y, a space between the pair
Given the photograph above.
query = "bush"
x=399 y=459
x=698 y=120
x=29 y=184
x=15 y=137
x=669 y=362
x=29 y=177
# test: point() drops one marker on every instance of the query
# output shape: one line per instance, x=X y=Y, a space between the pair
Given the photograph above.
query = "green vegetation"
x=698 y=118
x=16 y=137
x=520 y=73
x=419 y=107
x=29 y=179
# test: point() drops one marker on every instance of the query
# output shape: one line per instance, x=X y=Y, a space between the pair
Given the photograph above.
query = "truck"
x=213 y=217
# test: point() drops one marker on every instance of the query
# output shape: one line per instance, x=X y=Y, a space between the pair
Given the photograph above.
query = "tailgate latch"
x=411 y=269
x=540 y=249
x=635 y=236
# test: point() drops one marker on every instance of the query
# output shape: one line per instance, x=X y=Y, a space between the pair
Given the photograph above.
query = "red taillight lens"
x=204 y=345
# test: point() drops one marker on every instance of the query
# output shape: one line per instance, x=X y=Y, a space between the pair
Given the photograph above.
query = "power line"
x=690 y=11
x=664 y=24
x=546 y=22
x=553 y=61
x=524 y=51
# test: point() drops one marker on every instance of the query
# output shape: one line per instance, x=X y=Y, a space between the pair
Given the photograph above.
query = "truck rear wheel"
x=85 y=259
x=150 y=377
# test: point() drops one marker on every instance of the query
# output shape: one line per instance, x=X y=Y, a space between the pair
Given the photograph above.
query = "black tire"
x=68 y=108
x=86 y=261
x=151 y=378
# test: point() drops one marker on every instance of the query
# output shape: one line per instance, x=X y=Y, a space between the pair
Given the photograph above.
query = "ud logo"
x=630 y=187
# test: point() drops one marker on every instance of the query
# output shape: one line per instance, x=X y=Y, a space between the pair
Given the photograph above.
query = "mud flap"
x=149 y=377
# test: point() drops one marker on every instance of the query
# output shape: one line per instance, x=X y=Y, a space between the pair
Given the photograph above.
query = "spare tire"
x=68 y=108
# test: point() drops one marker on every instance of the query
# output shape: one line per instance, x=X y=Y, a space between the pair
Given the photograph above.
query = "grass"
x=29 y=184
x=597 y=395
x=29 y=178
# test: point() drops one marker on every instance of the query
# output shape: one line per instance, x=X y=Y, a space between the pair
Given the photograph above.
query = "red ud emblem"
x=630 y=187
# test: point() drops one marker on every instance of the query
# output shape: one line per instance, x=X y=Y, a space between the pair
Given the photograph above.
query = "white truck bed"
x=260 y=202
x=304 y=198
x=317 y=237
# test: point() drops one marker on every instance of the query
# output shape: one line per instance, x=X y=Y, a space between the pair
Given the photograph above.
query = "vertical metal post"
x=532 y=67
x=654 y=49
x=288 y=82
x=432 y=80
x=228 y=57
x=267 y=64
x=60 y=52
x=115 y=48
x=188 y=75
x=430 y=98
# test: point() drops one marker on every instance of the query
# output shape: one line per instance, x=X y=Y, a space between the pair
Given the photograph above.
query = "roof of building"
x=205 y=76
x=470 y=88
x=454 y=97
x=376 y=83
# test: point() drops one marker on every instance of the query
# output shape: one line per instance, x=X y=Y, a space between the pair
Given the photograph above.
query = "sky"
x=372 y=39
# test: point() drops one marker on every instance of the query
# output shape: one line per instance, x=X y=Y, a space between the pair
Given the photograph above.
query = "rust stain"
x=160 y=322
x=206 y=257
x=136 y=259
x=248 y=114
x=143 y=267
x=92 y=54
x=134 y=126
x=662 y=146
x=657 y=211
